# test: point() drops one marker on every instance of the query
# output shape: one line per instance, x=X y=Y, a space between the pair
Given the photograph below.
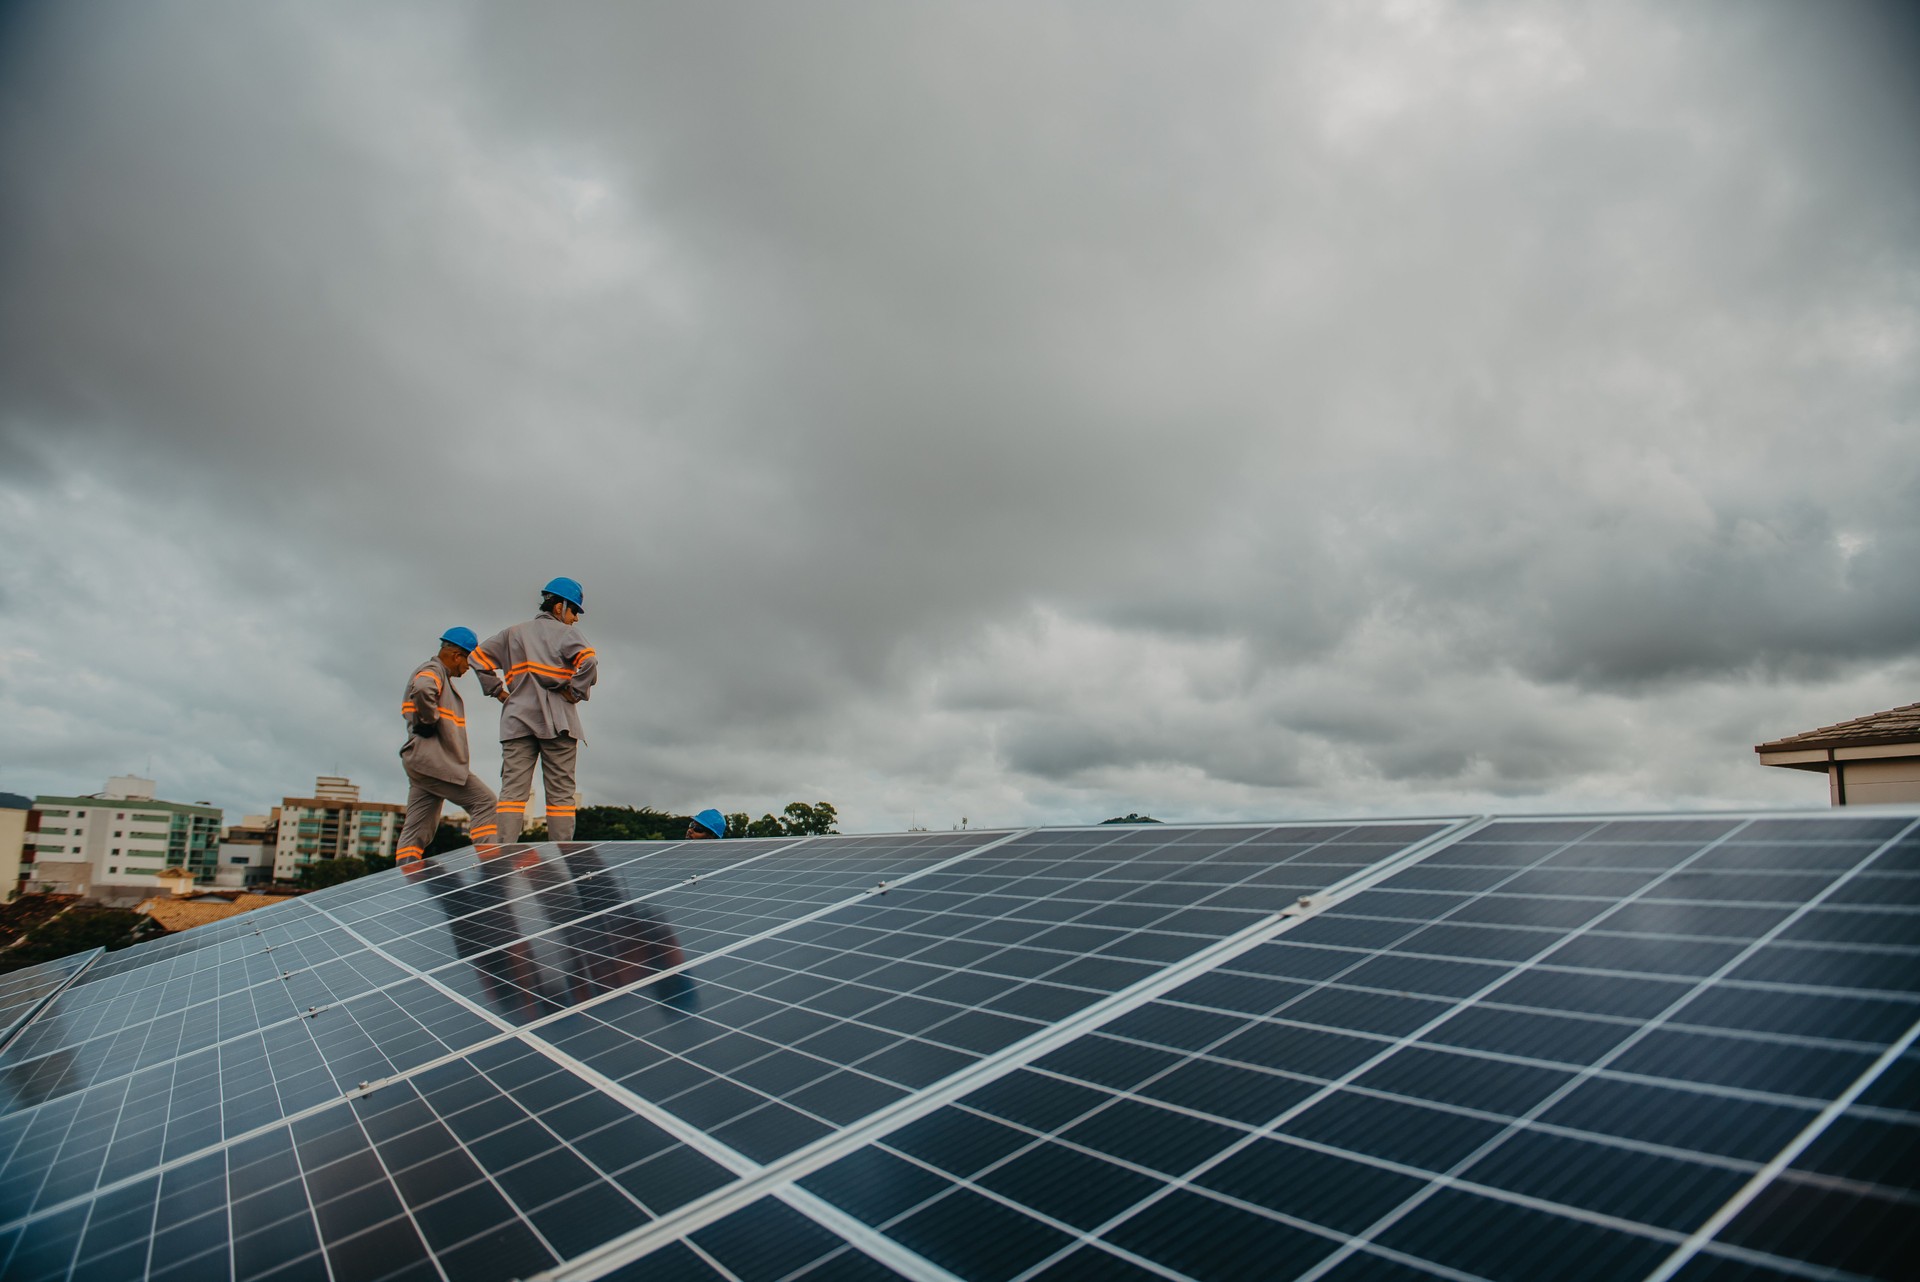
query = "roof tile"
x=1895 y=725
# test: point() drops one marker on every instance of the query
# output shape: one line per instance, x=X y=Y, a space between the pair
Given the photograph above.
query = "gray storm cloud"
x=1018 y=412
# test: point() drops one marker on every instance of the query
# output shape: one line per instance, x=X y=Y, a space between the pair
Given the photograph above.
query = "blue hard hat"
x=713 y=821
x=568 y=590
x=462 y=637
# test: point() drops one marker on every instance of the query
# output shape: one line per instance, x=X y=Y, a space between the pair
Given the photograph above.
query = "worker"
x=706 y=826
x=435 y=753
x=541 y=671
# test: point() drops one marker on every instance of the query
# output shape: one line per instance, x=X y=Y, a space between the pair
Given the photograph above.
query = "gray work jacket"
x=533 y=662
x=432 y=703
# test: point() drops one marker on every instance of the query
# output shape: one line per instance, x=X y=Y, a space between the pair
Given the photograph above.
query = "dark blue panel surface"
x=1551 y=1047
x=1555 y=1055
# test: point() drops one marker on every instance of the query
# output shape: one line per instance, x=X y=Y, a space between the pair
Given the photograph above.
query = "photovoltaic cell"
x=1380 y=1088
x=779 y=1044
x=1573 y=1046
x=23 y=991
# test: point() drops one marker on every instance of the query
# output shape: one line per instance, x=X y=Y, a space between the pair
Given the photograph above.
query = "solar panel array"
x=1658 y=1047
x=25 y=991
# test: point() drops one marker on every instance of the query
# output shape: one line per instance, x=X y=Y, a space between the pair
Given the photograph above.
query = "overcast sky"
x=1026 y=412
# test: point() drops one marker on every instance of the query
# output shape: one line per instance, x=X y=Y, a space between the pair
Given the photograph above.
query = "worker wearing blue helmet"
x=706 y=826
x=541 y=671
x=435 y=753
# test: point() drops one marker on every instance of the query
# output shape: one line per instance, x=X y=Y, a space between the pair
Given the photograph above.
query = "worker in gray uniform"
x=435 y=753
x=541 y=670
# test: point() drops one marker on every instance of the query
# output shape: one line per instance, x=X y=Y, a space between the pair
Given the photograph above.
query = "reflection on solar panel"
x=1665 y=1047
x=25 y=990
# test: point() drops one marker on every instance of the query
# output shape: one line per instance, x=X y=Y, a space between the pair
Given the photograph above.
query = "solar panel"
x=24 y=991
x=1663 y=1046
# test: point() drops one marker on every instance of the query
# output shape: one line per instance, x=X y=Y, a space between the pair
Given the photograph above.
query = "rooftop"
x=184 y=913
x=1895 y=725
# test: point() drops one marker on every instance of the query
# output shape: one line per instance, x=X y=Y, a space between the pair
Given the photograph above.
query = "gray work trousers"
x=424 y=798
x=556 y=757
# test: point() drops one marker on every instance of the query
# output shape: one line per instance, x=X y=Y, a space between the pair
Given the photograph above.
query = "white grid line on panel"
x=25 y=1020
x=406 y=1212
x=1494 y=1192
x=156 y=1171
x=1781 y=1160
x=1809 y=1040
x=173 y=1023
x=925 y=1035
x=489 y=1176
x=1509 y=1057
x=663 y=855
x=1440 y=1106
x=785 y=846
x=1392 y=1217
x=850 y=896
x=510 y=1033
x=789 y=1170
x=1755 y=985
x=1800 y=1268
x=692 y=1136
x=726 y=1274
x=409 y=975
x=867 y=1241
x=1391 y=1046
x=1502 y=1056
x=226 y=1142
x=533 y=1026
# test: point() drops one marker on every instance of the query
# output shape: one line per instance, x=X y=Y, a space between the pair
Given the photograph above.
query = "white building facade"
x=113 y=845
x=333 y=824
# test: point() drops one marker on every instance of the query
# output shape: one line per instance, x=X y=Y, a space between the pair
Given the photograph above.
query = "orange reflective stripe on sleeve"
x=582 y=657
x=407 y=706
x=429 y=672
x=481 y=660
x=454 y=717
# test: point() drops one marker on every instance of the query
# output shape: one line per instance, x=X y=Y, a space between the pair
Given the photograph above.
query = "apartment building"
x=247 y=852
x=112 y=845
x=14 y=813
x=332 y=824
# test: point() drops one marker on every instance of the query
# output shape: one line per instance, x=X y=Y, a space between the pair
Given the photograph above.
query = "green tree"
x=1131 y=818
x=802 y=820
x=628 y=823
x=809 y=821
x=322 y=873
